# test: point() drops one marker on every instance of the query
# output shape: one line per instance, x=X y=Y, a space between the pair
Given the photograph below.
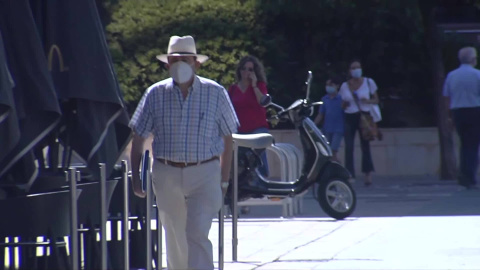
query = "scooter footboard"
x=333 y=170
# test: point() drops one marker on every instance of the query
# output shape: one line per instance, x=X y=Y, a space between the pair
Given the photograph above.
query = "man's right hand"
x=136 y=156
x=137 y=186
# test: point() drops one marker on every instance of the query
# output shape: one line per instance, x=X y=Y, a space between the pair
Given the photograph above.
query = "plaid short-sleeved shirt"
x=189 y=130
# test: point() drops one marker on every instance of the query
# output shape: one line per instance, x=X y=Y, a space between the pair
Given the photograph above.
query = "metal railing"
x=73 y=177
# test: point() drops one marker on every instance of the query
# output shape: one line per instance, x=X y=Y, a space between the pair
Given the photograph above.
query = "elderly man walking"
x=192 y=121
x=462 y=89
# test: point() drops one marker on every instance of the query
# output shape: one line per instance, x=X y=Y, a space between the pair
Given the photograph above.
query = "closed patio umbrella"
x=65 y=89
x=36 y=103
x=9 y=130
x=95 y=123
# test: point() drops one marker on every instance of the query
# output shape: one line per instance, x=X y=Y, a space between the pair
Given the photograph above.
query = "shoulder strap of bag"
x=355 y=98
x=368 y=85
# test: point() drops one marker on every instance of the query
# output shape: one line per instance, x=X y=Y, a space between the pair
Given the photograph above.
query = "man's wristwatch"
x=224 y=184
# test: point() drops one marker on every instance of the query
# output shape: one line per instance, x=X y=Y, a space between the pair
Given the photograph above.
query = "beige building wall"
x=403 y=151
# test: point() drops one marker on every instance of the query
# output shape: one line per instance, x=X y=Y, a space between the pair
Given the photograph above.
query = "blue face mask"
x=330 y=89
x=356 y=73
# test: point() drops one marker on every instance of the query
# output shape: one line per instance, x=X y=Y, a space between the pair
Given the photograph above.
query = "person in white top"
x=365 y=90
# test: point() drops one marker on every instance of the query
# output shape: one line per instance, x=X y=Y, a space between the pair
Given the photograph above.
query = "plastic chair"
x=88 y=211
x=89 y=220
x=138 y=232
x=296 y=160
x=285 y=173
x=32 y=216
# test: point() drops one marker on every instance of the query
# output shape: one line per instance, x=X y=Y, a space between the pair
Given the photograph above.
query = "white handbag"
x=374 y=108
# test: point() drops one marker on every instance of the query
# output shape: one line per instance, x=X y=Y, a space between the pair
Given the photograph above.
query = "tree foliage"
x=324 y=36
x=290 y=37
x=224 y=30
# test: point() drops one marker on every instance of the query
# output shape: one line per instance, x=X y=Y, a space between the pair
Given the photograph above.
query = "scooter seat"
x=256 y=141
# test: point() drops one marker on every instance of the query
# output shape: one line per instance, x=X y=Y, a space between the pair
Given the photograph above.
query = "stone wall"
x=403 y=151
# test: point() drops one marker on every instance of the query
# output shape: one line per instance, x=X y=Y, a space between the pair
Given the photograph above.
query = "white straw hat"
x=182 y=46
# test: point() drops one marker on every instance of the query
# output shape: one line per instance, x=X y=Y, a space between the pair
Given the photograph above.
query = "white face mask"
x=356 y=73
x=181 y=72
x=330 y=89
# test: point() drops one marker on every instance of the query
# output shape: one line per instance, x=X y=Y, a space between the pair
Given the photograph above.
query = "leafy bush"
x=225 y=30
x=290 y=37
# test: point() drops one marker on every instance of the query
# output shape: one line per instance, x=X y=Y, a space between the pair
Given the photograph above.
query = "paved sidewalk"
x=399 y=223
x=363 y=243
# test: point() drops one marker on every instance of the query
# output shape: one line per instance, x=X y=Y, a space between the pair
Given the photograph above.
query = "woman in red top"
x=246 y=94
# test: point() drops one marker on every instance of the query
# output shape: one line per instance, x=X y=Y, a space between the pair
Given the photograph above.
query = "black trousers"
x=468 y=129
x=352 y=121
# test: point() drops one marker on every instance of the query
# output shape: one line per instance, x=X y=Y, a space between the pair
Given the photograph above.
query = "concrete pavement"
x=358 y=243
x=399 y=223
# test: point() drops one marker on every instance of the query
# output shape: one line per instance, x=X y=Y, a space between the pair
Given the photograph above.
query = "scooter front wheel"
x=337 y=198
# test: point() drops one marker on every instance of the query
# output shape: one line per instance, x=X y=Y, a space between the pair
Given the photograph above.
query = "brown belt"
x=185 y=164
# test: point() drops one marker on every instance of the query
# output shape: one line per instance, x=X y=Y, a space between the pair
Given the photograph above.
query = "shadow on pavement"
x=393 y=197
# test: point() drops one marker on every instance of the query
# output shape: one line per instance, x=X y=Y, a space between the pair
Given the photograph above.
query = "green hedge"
x=225 y=30
x=290 y=37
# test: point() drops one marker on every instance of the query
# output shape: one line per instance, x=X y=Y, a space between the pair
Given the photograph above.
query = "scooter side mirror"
x=265 y=100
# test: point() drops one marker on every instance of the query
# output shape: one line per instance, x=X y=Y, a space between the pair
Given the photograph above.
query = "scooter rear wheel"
x=337 y=198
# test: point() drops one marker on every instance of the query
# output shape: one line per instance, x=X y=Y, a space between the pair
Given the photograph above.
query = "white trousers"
x=188 y=199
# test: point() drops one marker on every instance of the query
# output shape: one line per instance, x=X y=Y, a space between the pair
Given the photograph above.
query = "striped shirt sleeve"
x=142 y=120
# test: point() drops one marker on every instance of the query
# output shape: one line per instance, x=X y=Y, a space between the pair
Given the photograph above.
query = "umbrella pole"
x=126 y=215
x=103 y=215
x=148 y=221
x=71 y=176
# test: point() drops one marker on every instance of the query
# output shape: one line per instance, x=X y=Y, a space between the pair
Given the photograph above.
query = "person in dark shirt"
x=332 y=115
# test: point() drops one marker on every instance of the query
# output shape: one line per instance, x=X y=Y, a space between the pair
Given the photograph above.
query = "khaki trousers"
x=188 y=199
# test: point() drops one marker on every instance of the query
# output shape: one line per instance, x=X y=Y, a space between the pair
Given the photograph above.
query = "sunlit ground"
x=395 y=226
x=423 y=242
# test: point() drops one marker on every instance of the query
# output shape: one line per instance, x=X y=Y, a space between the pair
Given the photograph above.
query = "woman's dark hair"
x=350 y=64
x=352 y=61
x=257 y=67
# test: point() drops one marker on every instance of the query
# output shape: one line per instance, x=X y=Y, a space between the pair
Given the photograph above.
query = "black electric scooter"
x=335 y=194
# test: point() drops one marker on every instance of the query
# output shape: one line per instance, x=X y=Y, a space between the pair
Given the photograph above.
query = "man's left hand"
x=224 y=187
x=137 y=187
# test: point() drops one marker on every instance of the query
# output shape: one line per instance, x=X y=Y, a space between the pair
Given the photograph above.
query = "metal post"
x=159 y=241
x=234 y=203
x=78 y=179
x=103 y=216
x=148 y=218
x=71 y=179
x=221 y=232
x=126 y=215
